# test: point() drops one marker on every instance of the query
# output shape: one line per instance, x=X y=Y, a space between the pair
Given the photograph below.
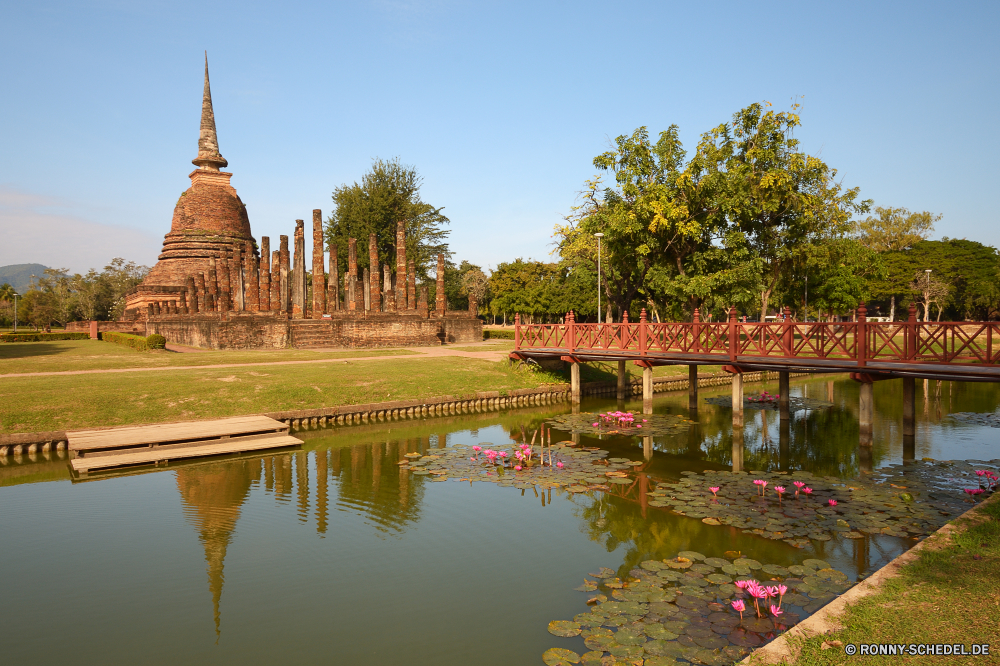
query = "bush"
x=498 y=335
x=156 y=341
x=136 y=342
x=42 y=337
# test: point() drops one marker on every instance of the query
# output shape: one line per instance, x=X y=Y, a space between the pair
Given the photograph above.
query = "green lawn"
x=63 y=355
x=76 y=401
x=947 y=595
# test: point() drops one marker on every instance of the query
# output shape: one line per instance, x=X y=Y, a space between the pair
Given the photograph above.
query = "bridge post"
x=783 y=395
x=647 y=389
x=574 y=381
x=693 y=389
x=909 y=429
x=647 y=448
x=865 y=413
x=517 y=330
x=621 y=381
x=738 y=400
x=911 y=333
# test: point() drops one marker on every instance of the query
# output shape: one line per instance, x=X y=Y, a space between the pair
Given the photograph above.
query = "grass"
x=65 y=355
x=947 y=595
x=79 y=401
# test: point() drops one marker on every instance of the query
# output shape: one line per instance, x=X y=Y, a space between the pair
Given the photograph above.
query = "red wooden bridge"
x=963 y=351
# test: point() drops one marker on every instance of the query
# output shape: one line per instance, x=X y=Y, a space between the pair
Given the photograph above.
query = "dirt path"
x=419 y=353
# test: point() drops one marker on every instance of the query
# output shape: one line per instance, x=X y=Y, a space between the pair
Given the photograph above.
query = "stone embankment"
x=484 y=401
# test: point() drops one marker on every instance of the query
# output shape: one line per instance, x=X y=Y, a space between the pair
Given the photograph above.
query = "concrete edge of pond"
x=31 y=442
x=826 y=619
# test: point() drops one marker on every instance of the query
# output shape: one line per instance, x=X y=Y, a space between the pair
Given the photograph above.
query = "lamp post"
x=599 y=236
x=15 y=310
x=927 y=297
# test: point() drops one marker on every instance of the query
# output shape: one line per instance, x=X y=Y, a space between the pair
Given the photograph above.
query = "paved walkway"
x=418 y=354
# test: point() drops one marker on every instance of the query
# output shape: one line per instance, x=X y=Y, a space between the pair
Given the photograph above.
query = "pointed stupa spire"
x=208 y=142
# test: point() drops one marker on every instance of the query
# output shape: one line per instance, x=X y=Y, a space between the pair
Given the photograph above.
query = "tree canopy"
x=388 y=193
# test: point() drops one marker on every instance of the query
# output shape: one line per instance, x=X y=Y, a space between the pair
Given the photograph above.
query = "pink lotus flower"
x=781 y=593
x=980 y=472
x=742 y=584
x=638 y=426
x=772 y=591
x=832 y=502
x=477 y=448
x=594 y=424
x=776 y=610
x=738 y=605
x=807 y=490
x=559 y=464
x=798 y=484
x=517 y=467
x=714 y=489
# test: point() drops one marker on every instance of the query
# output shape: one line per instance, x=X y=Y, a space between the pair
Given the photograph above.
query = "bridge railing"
x=858 y=342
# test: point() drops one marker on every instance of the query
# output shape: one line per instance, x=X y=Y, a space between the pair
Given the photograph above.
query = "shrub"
x=136 y=342
x=156 y=341
x=498 y=335
x=42 y=337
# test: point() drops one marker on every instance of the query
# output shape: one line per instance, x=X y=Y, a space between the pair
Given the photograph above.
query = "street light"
x=599 y=236
x=15 y=310
x=927 y=298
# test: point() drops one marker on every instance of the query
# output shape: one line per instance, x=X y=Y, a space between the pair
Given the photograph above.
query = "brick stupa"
x=209 y=219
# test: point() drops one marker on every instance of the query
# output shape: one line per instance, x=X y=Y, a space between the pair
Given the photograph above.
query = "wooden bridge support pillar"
x=738 y=401
x=693 y=389
x=622 y=377
x=574 y=382
x=783 y=393
x=647 y=390
x=909 y=423
x=647 y=448
x=866 y=413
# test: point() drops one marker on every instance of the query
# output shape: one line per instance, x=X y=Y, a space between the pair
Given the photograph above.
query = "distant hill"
x=19 y=275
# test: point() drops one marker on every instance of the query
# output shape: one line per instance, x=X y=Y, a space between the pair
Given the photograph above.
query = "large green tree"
x=388 y=193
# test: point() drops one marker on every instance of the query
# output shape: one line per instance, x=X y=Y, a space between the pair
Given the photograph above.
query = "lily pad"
x=690 y=555
x=560 y=657
x=564 y=628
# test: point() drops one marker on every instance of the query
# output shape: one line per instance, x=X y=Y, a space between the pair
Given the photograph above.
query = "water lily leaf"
x=761 y=625
x=592 y=658
x=564 y=628
x=599 y=641
x=659 y=661
x=718 y=579
x=712 y=643
x=588 y=586
x=746 y=562
x=560 y=657
x=627 y=651
x=628 y=637
x=744 y=638
x=716 y=562
x=690 y=555
x=659 y=632
x=774 y=570
x=619 y=481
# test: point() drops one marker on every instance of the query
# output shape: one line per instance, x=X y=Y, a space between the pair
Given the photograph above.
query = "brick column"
x=422 y=303
x=225 y=297
x=192 y=296
x=213 y=283
x=236 y=281
x=252 y=280
x=150 y=310
x=411 y=285
x=376 y=298
x=367 y=288
x=264 y=270
x=439 y=300
x=275 y=281
x=285 y=295
x=156 y=308
x=333 y=298
x=352 y=274
x=299 y=272
x=319 y=278
x=401 y=303
x=390 y=296
x=202 y=294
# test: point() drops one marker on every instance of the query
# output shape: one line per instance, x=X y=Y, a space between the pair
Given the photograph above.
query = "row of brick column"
x=238 y=281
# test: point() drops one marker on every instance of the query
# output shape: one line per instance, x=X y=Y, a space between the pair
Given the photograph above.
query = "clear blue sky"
x=501 y=107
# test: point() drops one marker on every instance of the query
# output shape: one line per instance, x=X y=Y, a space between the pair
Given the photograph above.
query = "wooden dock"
x=112 y=448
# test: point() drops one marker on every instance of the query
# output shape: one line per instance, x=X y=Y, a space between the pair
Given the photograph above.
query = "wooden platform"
x=155 y=444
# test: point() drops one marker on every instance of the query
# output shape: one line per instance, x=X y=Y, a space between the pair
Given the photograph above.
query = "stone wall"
x=264 y=330
x=137 y=327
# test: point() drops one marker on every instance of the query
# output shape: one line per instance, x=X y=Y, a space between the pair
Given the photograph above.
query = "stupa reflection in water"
x=367 y=479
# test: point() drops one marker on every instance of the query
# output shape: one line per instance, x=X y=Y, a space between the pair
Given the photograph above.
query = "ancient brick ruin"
x=213 y=286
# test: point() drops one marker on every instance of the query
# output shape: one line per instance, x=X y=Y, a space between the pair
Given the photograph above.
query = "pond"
x=340 y=553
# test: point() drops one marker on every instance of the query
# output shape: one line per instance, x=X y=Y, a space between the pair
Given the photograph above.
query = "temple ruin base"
x=263 y=330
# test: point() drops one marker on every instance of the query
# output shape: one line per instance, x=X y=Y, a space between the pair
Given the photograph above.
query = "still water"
x=333 y=554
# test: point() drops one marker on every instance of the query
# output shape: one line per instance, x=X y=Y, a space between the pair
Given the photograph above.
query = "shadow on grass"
x=10 y=350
